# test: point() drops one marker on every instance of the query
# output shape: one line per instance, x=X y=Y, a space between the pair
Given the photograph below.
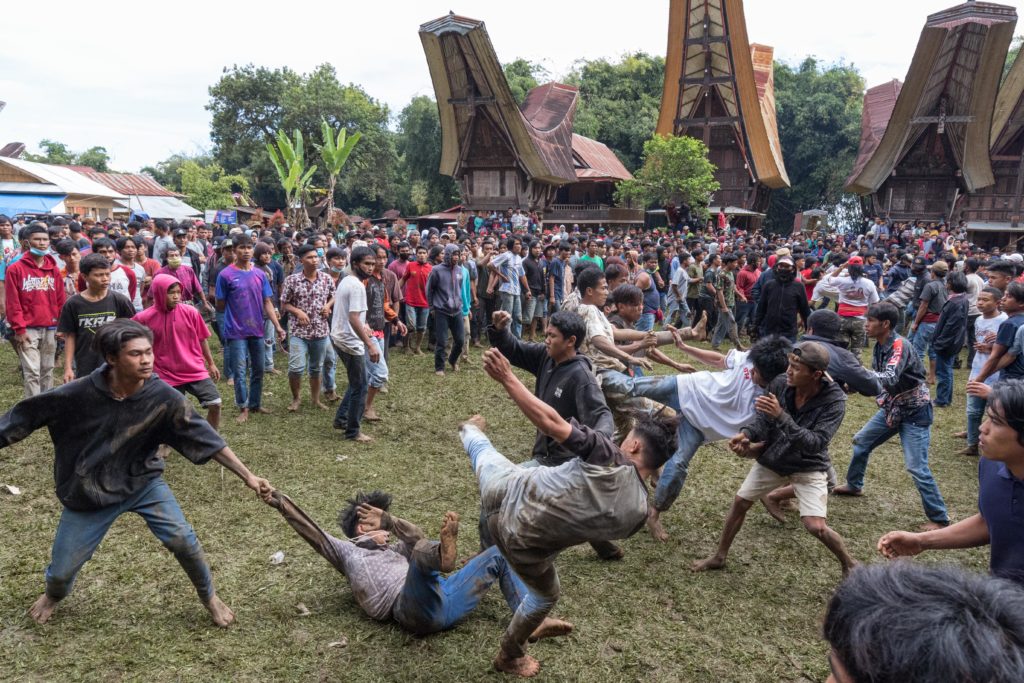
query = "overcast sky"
x=133 y=77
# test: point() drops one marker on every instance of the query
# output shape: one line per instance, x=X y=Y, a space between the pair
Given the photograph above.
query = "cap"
x=919 y=262
x=824 y=323
x=1016 y=258
x=784 y=259
x=811 y=354
x=940 y=266
x=181 y=232
x=855 y=261
x=226 y=242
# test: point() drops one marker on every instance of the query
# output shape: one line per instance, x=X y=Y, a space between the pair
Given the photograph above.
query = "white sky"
x=133 y=76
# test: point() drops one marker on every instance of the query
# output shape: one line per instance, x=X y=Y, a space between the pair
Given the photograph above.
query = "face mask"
x=337 y=269
x=320 y=253
x=403 y=257
x=174 y=262
x=785 y=276
x=38 y=252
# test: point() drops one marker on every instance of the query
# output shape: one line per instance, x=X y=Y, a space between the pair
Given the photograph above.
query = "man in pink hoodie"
x=181 y=354
x=34 y=294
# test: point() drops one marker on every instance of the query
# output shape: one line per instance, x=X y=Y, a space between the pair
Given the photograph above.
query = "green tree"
x=675 y=169
x=523 y=76
x=334 y=151
x=619 y=102
x=819 y=110
x=419 y=148
x=249 y=104
x=166 y=172
x=54 y=152
x=289 y=159
x=208 y=187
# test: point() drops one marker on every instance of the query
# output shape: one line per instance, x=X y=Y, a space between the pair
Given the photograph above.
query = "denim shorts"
x=204 y=390
x=306 y=355
x=377 y=373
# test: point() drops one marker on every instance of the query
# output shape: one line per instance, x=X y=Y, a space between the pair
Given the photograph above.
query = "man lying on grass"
x=403 y=581
x=535 y=513
x=106 y=429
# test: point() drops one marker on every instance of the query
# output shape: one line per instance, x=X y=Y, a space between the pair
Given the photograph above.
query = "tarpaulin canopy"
x=11 y=203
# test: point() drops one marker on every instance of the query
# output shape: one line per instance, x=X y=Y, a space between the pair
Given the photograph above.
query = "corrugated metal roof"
x=597 y=161
x=68 y=181
x=126 y=183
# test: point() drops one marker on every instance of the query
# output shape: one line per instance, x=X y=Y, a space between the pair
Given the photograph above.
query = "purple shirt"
x=243 y=292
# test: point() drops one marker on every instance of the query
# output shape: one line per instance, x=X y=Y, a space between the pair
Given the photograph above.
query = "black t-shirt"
x=534 y=276
x=212 y=273
x=82 y=318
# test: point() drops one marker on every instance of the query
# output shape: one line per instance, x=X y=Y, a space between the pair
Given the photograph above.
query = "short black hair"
x=569 y=324
x=1001 y=266
x=957 y=282
x=360 y=254
x=627 y=294
x=907 y=622
x=103 y=243
x=349 y=520
x=65 y=247
x=770 y=355
x=884 y=311
x=122 y=242
x=994 y=291
x=241 y=240
x=112 y=337
x=589 y=278
x=304 y=249
x=1016 y=291
x=658 y=435
x=1008 y=399
x=91 y=262
x=32 y=229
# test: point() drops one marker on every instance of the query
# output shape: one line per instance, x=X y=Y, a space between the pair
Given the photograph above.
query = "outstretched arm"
x=544 y=417
x=330 y=548
x=375 y=518
x=228 y=459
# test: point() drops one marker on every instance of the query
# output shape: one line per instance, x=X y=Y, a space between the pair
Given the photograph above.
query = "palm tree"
x=289 y=161
x=335 y=151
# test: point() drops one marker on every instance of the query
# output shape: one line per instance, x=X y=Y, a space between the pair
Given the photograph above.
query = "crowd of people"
x=127 y=310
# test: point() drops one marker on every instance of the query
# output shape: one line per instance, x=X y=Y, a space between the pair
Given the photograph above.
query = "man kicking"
x=403 y=581
x=535 y=513
x=106 y=430
x=796 y=419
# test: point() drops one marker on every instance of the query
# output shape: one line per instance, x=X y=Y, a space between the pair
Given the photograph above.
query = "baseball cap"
x=855 y=261
x=1016 y=258
x=784 y=259
x=919 y=262
x=181 y=232
x=811 y=354
x=940 y=266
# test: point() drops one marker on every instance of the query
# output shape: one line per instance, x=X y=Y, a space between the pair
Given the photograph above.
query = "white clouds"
x=134 y=76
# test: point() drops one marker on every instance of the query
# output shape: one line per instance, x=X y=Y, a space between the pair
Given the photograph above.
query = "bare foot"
x=551 y=628
x=221 y=613
x=960 y=435
x=657 y=531
x=847 y=490
x=773 y=508
x=274 y=371
x=293 y=407
x=332 y=397
x=371 y=416
x=455 y=367
x=449 y=536
x=321 y=406
x=42 y=609
x=525 y=666
x=231 y=382
x=700 y=329
x=932 y=526
x=439 y=373
x=264 y=411
x=363 y=438
x=713 y=562
x=242 y=416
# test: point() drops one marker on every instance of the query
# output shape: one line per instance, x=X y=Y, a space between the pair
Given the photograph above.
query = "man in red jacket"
x=34 y=294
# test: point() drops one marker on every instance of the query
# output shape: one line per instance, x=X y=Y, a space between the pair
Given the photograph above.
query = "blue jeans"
x=376 y=373
x=327 y=378
x=914 y=439
x=743 y=311
x=353 y=403
x=975 y=414
x=923 y=340
x=443 y=322
x=251 y=348
x=664 y=390
x=494 y=473
x=430 y=602
x=306 y=355
x=645 y=323
x=80 y=533
x=229 y=363
x=269 y=344
x=512 y=303
x=944 y=378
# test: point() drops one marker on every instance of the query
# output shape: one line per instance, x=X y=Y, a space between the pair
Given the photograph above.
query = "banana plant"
x=288 y=157
x=334 y=152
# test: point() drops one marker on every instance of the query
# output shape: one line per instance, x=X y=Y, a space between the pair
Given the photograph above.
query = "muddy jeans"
x=37 y=356
x=536 y=568
x=428 y=602
x=79 y=534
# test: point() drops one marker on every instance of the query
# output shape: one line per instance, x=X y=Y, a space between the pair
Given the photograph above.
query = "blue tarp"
x=11 y=204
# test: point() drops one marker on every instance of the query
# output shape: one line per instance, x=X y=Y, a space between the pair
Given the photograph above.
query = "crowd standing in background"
x=779 y=328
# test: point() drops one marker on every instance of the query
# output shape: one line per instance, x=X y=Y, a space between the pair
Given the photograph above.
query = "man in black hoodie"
x=782 y=300
x=106 y=460
x=565 y=381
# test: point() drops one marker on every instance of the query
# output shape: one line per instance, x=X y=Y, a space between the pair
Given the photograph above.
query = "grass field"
x=134 y=616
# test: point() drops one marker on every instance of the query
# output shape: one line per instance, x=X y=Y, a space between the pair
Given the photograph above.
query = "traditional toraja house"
x=720 y=89
x=506 y=155
x=924 y=147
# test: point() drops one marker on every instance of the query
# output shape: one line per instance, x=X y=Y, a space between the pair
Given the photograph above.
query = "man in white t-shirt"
x=985 y=329
x=353 y=341
x=712 y=405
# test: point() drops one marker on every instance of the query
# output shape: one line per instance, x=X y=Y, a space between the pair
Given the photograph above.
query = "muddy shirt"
x=376 y=573
x=105 y=449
